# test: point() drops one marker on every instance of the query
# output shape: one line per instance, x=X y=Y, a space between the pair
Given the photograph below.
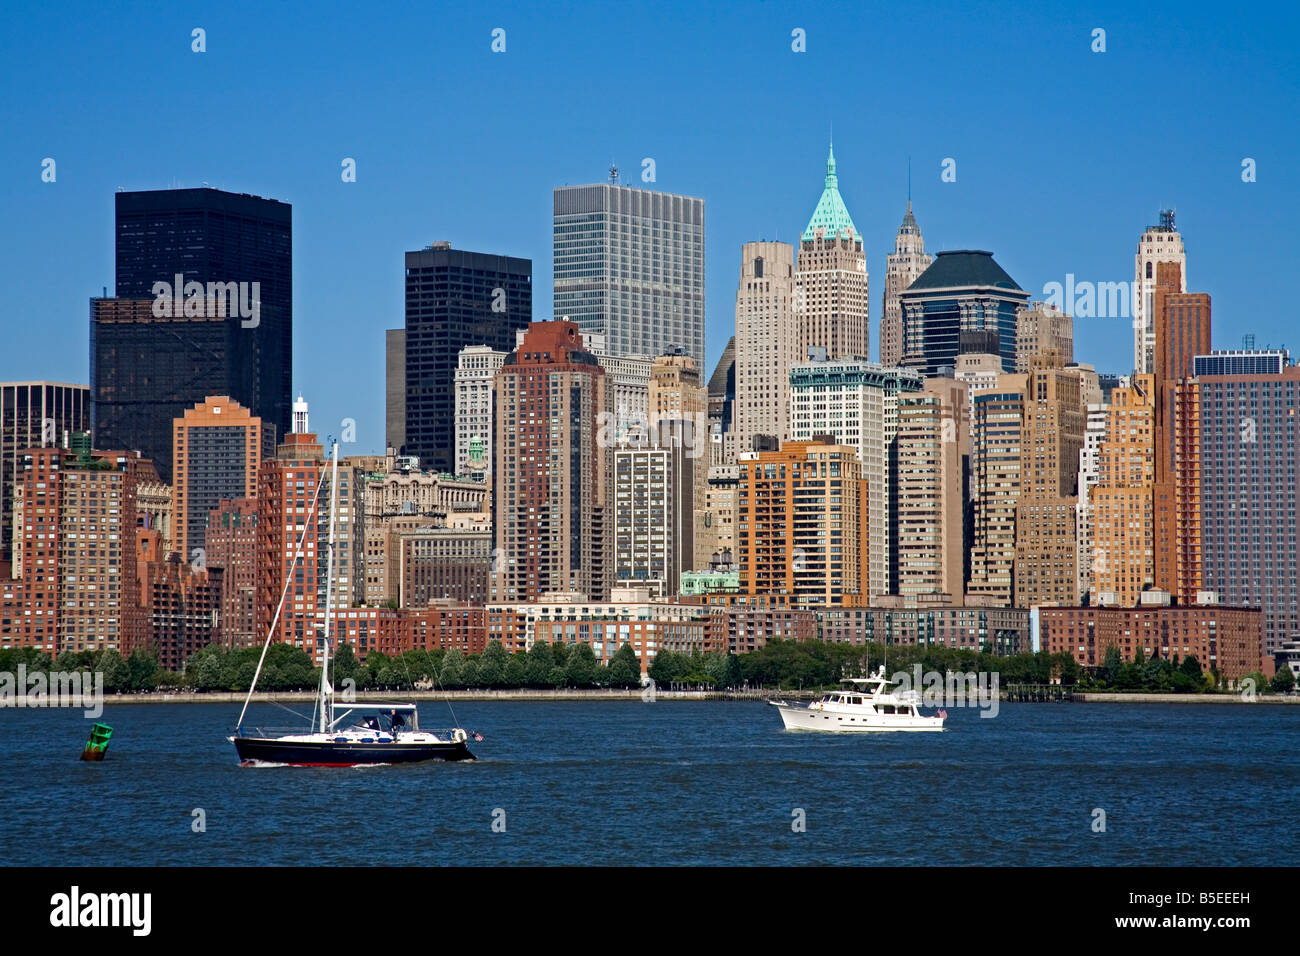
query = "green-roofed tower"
x=831 y=214
x=831 y=303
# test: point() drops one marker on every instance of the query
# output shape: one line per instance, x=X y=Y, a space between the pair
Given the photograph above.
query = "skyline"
x=1074 y=203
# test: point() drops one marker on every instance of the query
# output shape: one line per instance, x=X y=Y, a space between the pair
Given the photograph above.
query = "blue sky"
x=1063 y=155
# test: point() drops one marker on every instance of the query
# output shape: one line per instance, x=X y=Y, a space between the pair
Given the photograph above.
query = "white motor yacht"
x=866 y=704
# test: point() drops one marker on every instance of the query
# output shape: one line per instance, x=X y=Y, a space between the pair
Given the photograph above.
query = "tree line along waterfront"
x=778 y=665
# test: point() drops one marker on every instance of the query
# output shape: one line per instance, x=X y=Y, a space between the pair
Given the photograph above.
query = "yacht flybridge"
x=866 y=704
x=380 y=734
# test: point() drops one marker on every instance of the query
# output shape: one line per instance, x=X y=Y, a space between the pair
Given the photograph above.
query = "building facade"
x=832 y=300
x=1222 y=638
x=476 y=371
x=227 y=330
x=33 y=415
x=549 y=481
x=856 y=402
x=767 y=346
x=1249 y=439
x=902 y=267
x=1158 y=244
x=217 y=447
x=629 y=263
x=454 y=298
x=74 y=580
x=963 y=291
x=231 y=537
x=1051 y=437
x=930 y=490
x=802 y=524
x=1121 y=502
x=995 y=464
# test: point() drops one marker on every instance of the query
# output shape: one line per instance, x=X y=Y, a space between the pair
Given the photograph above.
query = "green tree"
x=624 y=668
x=144 y=670
x=581 y=669
x=1111 y=666
x=492 y=665
x=344 y=665
x=540 y=662
x=117 y=675
x=1283 y=680
x=453 y=665
x=666 y=667
x=517 y=669
x=206 y=668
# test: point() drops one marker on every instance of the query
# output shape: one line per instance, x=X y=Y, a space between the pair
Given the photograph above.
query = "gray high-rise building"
x=33 y=415
x=630 y=263
x=453 y=299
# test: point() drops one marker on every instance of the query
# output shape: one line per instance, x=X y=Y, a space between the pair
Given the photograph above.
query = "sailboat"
x=381 y=733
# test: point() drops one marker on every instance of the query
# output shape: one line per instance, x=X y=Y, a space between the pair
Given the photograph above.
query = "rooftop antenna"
x=909 y=184
x=613 y=173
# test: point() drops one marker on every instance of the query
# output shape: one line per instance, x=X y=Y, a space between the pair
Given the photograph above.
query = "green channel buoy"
x=97 y=745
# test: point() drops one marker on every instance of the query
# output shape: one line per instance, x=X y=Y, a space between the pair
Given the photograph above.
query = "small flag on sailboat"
x=478 y=738
x=943 y=714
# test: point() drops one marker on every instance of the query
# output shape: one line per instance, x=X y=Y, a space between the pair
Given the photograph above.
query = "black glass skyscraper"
x=454 y=299
x=227 y=329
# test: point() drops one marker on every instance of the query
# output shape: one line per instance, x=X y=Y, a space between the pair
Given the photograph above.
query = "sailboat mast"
x=326 y=690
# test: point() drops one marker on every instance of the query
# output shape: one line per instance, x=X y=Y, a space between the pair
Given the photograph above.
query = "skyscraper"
x=964 y=291
x=832 y=302
x=1249 y=430
x=395 y=388
x=74 y=585
x=286 y=492
x=1158 y=244
x=629 y=263
x=33 y=415
x=1041 y=331
x=767 y=345
x=1182 y=331
x=902 y=267
x=226 y=330
x=654 y=490
x=801 y=524
x=856 y=403
x=1121 y=501
x=217 y=447
x=476 y=373
x=722 y=401
x=1046 y=569
x=454 y=299
x=930 y=489
x=996 y=432
x=549 y=474
x=1094 y=434
x=231 y=542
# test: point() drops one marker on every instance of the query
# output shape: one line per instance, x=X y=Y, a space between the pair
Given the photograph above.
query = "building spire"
x=830 y=214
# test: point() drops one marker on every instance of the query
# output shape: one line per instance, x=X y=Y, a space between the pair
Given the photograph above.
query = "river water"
x=673 y=783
